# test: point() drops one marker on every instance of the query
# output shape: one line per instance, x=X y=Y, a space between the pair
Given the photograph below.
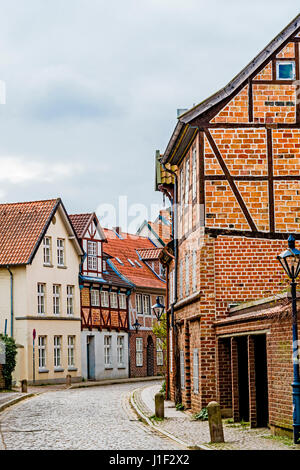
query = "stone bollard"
x=24 y=386
x=68 y=380
x=215 y=422
x=159 y=405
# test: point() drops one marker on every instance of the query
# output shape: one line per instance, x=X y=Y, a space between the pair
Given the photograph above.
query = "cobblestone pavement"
x=93 y=418
x=194 y=433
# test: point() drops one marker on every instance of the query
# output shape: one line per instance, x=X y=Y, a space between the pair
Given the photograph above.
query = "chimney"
x=118 y=230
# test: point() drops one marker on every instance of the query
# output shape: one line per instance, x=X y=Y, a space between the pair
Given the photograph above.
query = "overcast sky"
x=93 y=87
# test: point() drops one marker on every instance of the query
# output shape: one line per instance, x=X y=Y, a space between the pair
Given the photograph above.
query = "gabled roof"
x=23 y=226
x=124 y=246
x=81 y=223
x=149 y=254
x=226 y=92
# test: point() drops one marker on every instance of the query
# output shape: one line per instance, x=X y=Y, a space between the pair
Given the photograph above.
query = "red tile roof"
x=150 y=254
x=80 y=222
x=21 y=227
x=126 y=248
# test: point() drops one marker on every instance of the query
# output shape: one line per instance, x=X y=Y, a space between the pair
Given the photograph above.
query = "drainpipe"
x=11 y=301
x=174 y=327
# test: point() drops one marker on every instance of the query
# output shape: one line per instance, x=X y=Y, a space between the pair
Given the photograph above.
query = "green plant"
x=10 y=359
x=179 y=407
x=202 y=415
x=155 y=418
x=163 y=389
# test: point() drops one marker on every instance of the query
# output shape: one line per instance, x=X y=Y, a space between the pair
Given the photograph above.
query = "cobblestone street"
x=93 y=418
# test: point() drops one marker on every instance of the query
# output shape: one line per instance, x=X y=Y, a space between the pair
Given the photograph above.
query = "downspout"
x=174 y=327
x=11 y=301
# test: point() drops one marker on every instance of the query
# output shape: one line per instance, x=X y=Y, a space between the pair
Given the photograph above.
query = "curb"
x=115 y=381
x=15 y=400
x=146 y=420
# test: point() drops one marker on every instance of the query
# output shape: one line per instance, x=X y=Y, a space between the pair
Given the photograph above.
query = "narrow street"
x=87 y=418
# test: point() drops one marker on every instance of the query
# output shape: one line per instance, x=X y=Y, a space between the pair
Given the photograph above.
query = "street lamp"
x=290 y=261
x=158 y=309
x=136 y=325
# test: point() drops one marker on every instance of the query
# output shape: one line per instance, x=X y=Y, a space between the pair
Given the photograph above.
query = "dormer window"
x=286 y=70
x=119 y=261
x=60 y=252
x=131 y=262
x=92 y=256
x=47 y=251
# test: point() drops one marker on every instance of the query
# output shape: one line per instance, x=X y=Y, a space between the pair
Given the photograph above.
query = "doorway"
x=261 y=380
x=243 y=382
x=150 y=356
x=90 y=344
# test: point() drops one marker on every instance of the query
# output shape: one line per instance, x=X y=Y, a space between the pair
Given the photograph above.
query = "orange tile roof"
x=149 y=253
x=126 y=248
x=79 y=222
x=22 y=225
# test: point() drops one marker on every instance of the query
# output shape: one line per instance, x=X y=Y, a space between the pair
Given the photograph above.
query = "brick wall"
x=2 y=381
x=141 y=371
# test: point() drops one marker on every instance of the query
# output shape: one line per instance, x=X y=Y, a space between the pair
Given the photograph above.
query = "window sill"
x=42 y=370
x=72 y=368
x=62 y=267
x=108 y=367
x=58 y=369
x=48 y=265
x=121 y=367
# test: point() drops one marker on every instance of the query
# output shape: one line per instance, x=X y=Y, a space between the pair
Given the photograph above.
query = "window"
x=122 y=301
x=42 y=352
x=181 y=279
x=113 y=300
x=162 y=271
x=194 y=273
x=159 y=352
x=71 y=348
x=56 y=299
x=41 y=298
x=95 y=298
x=182 y=374
x=107 y=351
x=194 y=187
x=70 y=300
x=171 y=285
x=187 y=274
x=196 y=370
x=120 y=350
x=104 y=265
x=47 y=250
x=187 y=181
x=285 y=70
x=57 y=351
x=146 y=305
x=139 y=306
x=138 y=263
x=60 y=252
x=139 y=352
x=119 y=261
x=181 y=190
x=92 y=256
x=171 y=351
x=131 y=262
x=104 y=299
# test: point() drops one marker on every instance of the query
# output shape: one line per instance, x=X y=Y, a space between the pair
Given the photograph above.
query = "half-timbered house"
x=104 y=305
x=235 y=160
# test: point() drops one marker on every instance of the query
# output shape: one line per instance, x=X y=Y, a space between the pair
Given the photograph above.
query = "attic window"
x=285 y=70
x=131 y=262
x=138 y=263
x=119 y=261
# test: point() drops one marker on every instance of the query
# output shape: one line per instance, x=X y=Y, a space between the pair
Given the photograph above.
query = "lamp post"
x=136 y=325
x=158 y=309
x=290 y=261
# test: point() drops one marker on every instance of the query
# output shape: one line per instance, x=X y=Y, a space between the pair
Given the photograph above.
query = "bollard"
x=159 y=405
x=215 y=422
x=68 y=380
x=24 y=386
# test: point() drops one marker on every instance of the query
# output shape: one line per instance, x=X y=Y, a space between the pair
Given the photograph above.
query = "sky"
x=93 y=86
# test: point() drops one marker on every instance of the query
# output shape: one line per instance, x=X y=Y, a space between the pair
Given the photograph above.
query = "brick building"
x=135 y=259
x=235 y=193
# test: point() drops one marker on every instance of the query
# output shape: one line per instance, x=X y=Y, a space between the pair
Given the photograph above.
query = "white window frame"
x=122 y=301
x=104 y=299
x=47 y=251
x=107 y=351
x=121 y=351
x=60 y=244
x=57 y=351
x=146 y=304
x=92 y=255
x=113 y=299
x=41 y=304
x=159 y=352
x=70 y=300
x=95 y=298
x=285 y=62
x=182 y=371
x=71 y=351
x=139 y=352
x=187 y=274
x=196 y=371
x=194 y=163
x=42 y=351
x=194 y=271
x=56 y=299
x=139 y=304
